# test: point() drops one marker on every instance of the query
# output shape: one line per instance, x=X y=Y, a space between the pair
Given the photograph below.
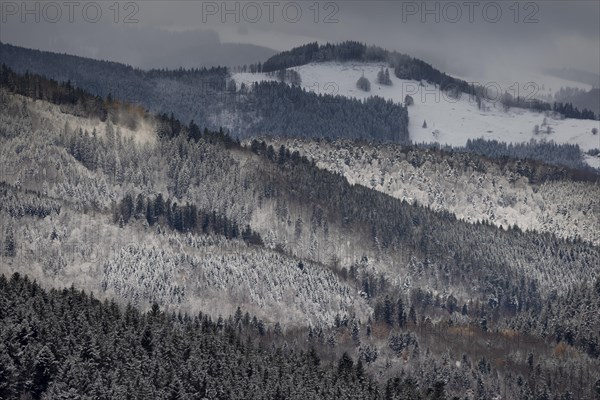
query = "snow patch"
x=450 y=121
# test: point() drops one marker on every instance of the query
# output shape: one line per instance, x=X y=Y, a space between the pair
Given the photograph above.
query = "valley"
x=215 y=233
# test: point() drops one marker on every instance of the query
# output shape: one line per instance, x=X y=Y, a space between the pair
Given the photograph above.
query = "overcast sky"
x=466 y=41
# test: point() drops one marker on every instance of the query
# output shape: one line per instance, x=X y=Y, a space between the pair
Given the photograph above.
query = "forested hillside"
x=500 y=190
x=67 y=343
x=408 y=68
x=405 y=67
x=170 y=216
x=208 y=97
x=292 y=205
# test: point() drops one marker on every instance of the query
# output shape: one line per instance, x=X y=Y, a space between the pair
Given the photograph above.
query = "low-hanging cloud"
x=467 y=38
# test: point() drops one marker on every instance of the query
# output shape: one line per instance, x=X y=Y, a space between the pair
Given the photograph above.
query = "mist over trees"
x=202 y=95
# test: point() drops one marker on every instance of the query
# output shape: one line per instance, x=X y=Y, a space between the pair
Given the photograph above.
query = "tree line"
x=405 y=67
x=180 y=217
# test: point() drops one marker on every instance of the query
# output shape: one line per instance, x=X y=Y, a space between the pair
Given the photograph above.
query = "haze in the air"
x=481 y=43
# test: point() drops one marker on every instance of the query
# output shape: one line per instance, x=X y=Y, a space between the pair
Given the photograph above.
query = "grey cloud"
x=567 y=34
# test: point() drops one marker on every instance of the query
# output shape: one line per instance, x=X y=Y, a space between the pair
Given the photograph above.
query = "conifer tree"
x=10 y=245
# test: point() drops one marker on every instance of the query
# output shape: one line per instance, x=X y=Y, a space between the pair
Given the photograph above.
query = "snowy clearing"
x=449 y=121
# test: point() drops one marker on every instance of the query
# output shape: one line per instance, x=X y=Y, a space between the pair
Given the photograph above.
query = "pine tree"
x=355 y=333
x=381 y=77
x=401 y=313
x=464 y=310
x=149 y=213
x=260 y=326
x=139 y=206
x=155 y=310
x=345 y=366
x=388 y=311
x=412 y=315
x=360 y=370
x=277 y=331
x=238 y=315
x=10 y=246
x=7 y=375
x=363 y=84
x=159 y=205
x=147 y=340
x=44 y=368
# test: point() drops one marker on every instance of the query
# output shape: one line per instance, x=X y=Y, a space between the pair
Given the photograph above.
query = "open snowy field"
x=538 y=85
x=450 y=121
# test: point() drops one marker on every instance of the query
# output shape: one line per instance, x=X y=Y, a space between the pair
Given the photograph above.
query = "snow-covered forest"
x=144 y=251
x=211 y=98
x=522 y=193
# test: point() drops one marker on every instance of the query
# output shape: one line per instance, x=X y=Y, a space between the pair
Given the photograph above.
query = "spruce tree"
x=363 y=84
x=10 y=245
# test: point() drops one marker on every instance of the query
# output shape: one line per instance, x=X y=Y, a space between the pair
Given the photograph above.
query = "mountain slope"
x=449 y=120
x=207 y=97
x=517 y=193
x=142 y=208
x=293 y=205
